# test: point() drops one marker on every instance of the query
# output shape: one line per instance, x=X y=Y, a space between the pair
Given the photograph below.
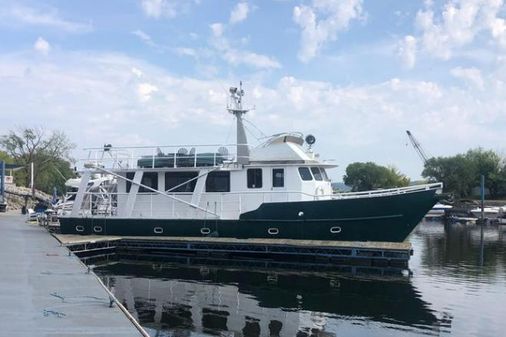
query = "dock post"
x=3 y=203
x=2 y=182
x=482 y=197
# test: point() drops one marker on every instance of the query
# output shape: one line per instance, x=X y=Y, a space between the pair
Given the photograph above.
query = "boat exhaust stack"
x=235 y=108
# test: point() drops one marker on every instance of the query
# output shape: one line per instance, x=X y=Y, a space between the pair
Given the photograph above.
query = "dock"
x=45 y=290
x=371 y=253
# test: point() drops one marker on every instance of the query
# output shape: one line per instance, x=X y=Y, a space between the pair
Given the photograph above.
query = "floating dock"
x=45 y=290
x=395 y=254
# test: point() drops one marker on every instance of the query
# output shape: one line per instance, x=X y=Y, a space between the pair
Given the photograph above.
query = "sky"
x=354 y=73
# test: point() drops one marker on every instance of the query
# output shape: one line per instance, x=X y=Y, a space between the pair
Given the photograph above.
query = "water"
x=453 y=290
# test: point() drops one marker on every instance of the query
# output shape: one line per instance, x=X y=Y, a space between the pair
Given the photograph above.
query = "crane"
x=417 y=147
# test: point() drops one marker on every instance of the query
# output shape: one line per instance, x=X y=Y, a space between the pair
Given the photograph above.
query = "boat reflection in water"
x=184 y=300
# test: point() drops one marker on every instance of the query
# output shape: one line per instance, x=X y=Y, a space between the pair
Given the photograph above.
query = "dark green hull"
x=383 y=218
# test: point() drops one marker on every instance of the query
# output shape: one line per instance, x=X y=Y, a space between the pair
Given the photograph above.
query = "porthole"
x=205 y=231
x=273 y=231
x=79 y=228
x=97 y=229
x=335 y=229
x=158 y=230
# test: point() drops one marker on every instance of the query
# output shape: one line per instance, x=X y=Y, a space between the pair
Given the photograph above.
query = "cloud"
x=44 y=18
x=187 y=52
x=321 y=22
x=145 y=91
x=470 y=75
x=239 y=13
x=158 y=8
x=108 y=96
x=42 y=46
x=136 y=72
x=217 y=29
x=458 y=24
x=407 y=51
x=168 y=9
x=236 y=56
x=144 y=37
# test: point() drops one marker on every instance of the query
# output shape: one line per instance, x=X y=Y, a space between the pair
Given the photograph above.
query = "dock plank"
x=44 y=291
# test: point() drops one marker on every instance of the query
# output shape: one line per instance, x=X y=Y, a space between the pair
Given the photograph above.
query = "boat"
x=279 y=189
x=438 y=211
x=492 y=212
x=100 y=189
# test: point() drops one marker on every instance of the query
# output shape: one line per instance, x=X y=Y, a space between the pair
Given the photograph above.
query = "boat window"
x=278 y=177
x=316 y=173
x=218 y=181
x=305 y=174
x=254 y=178
x=324 y=174
x=149 y=179
x=173 y=179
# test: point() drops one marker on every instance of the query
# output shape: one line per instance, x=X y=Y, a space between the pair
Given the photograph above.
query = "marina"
x=242 y=168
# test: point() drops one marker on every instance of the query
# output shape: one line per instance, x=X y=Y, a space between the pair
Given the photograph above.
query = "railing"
x=222 y=205
x=188 y=155
x=383 y=192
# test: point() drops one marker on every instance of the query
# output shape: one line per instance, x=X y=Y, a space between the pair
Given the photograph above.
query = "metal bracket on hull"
x=132 y=195
x=78 y=202
x=199 y=187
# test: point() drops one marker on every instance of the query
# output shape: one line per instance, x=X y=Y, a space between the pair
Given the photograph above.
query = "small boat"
x=438 y=211
x=488 y=212
x=277 y=190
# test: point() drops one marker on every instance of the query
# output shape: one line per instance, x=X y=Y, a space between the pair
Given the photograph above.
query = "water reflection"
x=446 y=294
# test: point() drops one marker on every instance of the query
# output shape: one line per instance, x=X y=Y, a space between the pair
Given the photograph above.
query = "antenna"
x=235 y=105
x=235 y=108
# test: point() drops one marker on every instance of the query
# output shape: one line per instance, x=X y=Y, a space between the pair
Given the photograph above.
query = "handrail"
x=390 y=190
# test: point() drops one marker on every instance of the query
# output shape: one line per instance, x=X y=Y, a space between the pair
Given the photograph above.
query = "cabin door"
x=278 y=186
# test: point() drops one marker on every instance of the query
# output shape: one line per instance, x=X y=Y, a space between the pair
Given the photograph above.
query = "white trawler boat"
x=279 y=189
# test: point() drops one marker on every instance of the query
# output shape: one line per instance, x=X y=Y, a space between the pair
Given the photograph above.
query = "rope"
x=253 y=125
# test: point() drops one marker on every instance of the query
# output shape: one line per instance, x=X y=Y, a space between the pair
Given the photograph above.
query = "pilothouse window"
x=324 y=174
x=278 y=178
x=173 y=179
x=254 y=178
x=218 y=181
x=305 y=174
x=316 y=173
x=149 y=179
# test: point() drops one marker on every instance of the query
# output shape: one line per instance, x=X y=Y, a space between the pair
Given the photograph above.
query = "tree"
x=454 y=172
x=488 y=164
x=369 y=176
x=460 y=174
x=49 y=151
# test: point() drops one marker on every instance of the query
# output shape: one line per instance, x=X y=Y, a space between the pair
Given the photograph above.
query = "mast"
x=235 y=108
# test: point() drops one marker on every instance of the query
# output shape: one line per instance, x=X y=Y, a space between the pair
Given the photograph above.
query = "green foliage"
x=460 y=174
x=5 y=157
x=50 y=153
x=369 y=176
